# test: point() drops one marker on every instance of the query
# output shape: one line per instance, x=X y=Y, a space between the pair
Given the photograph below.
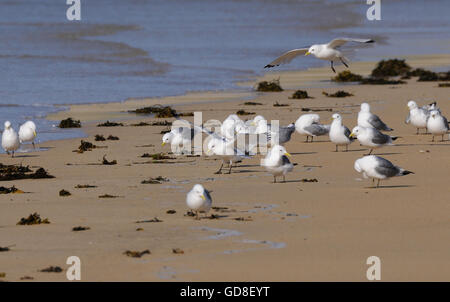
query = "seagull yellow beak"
x=352 y=134
x=307 y=53
x=163 y=144
x=34 y=132
x=288 y=154
x=203 y=197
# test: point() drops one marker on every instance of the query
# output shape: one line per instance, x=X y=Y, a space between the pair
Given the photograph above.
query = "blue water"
x=137 y=48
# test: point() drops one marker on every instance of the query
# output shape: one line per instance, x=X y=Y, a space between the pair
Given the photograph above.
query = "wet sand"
x=293 y=231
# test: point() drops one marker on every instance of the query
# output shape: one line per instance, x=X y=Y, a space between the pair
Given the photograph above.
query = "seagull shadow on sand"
x=390 y=187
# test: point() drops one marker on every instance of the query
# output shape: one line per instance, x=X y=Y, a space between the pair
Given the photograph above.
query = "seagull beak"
x=163 y=144
x=352 y=134
x=34 y=132
x=307 y=53
x=288 y=154
x=203 y=197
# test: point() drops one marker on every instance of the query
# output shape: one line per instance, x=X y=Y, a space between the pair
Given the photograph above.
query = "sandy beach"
x=293 y=231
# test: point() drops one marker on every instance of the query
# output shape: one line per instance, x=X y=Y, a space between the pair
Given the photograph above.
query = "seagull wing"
x=287 y=57
x=341 y=41
x=377 y=123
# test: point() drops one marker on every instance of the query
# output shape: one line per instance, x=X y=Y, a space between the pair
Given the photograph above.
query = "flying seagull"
x=327 y=52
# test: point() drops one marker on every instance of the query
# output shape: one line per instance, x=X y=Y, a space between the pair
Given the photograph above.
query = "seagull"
x=309 y=125
x=277 y=162
x=326 y=52
x=437 y=124
x=369 y=120
x=199 y=200
x=339 y=134
x=373 y=166
x=225 y=148
x=10 y=139
x=417 y=116
x=27 y=132
x=274 y=135
x=180 y=137
x=371 y=137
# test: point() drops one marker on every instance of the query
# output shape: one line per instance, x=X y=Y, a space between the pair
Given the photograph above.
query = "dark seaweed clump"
x=69 y=123
x=86 y=146
x=99 y=138
x=272 y=86
x=80 y=228
x=155 y=180
x=243 y=112
x=300 y=94
x=381 y=81
x=84 y=186
x=34 y=218
x=110 y=124
x=252 y=104
x=136 y=254
x=106 y=162
x=280 y=105
x=64 y=193
x=444 y=85
x=347 y=76
x=52 y=269
x=390 y=68
x=13 y=172
x=177 y=251
x=107 y=196
x=112 y=138
x=337 y=94
x=160 y=111
x=11 y=190
x=156 y=156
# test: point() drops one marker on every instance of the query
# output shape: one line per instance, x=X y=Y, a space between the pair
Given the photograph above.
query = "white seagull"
x=370 y=120
x=377 y=167
x=326 y=52
x=339 y=134
x=417 y=116
x=437 y=124
x=199 y=200
x=371 y=137
x=277 y=162
x=10 y=139
x=27 y=132
x=309 y=125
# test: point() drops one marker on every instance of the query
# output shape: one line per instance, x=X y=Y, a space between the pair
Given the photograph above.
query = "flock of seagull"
x=368 y=132
x=11 y=140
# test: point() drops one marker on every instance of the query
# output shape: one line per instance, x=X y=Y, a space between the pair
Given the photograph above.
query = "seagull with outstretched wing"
x=328 y=52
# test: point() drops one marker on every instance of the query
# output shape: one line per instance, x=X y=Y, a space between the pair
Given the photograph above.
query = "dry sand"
x=298 y=231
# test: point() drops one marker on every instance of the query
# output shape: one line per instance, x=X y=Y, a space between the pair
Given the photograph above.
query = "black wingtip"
x=371 y=41
x=406 y=172
x=394 y=137
x=269 y=66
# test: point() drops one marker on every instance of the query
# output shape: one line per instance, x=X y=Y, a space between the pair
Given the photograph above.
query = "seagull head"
x=412 y=105
x=357 y=130
x=336 y=116
x=313 y=50
x=279 y=151
x=7 y=124
x=199 y=190
x=433 y=113
x=167 y=138
x=365 y=107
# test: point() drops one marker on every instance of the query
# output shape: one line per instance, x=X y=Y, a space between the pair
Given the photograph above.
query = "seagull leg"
x=284 y=178
x=307 y=138
x=34 y=146
x=7 y=152
x=442 y=137
x=231 y=166
x=378 y=183
x=332 y=68
x=370 y=152
x=312 y=138
x=220 y=170
x=12 y=154
x=343 y=62
x=346 y=148
x=417 y=133
x=336 y=148
x=196 y=216
x=274 y=179
x=432 y=139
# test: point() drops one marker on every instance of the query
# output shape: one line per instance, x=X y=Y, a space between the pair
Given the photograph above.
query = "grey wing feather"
x=446 y=122
x=341 y=41
x=285 y=160
x=386 y=168
x=380 y=138
x=287 y=57
x=317 y=130
x=377 y=123
x=408 y=118
x=207 y=195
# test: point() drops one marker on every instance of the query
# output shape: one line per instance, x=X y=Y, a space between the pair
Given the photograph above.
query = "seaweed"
x=113 y=138
x=11 y=190
x=186 y=114
x=159 y=111
x=99 y=138
x=34 y=218
x=64 y=193
x=156 y=219
x=5 y=248
x=243 y=112
x=280 y=105
x=444 y=85
x=347 y=76
x=177 y=251
x=156 y=156
x=106 y=162
x=248 y=218
x=156 y=180
x=338 y=94
x=309 y=180
x=306 y=109
x=390 y=68
x=107 y=196
x=86 y=146
x=136 y=254
x=69 y=123
x=51 y=269
x=80 y=228
x=272 y=86
x=13 y=172
x=26 y=278
x=300 y=94
x=110 y=124
x=84 y=186
x=381 y=81
x=252 y=104
x=171 y=212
